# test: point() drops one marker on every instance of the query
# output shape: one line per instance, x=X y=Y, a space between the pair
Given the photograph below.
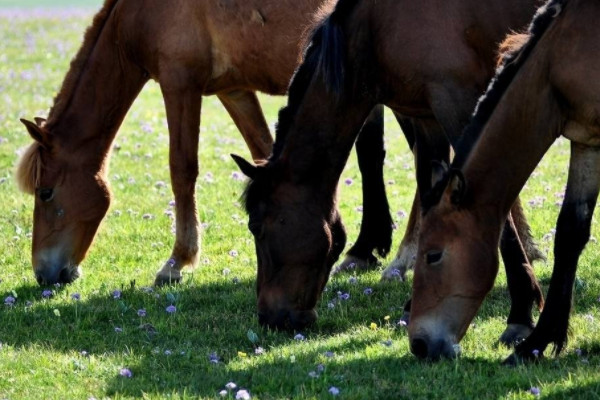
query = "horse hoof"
x=514 y=334
x=352 y=263
x=513 y=360
x=395 y=272
x=168 y=275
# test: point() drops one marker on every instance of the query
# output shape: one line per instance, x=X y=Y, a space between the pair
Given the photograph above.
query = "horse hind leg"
x=428 y=142
x=572 y=234
x=376 y=225
x=247 y=114
x=523 y=287
x=183 y=103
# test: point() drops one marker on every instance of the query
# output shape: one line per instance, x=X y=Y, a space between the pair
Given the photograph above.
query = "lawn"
x=77 y=341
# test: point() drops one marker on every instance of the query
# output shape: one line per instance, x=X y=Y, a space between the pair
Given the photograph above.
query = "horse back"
x=220 y=44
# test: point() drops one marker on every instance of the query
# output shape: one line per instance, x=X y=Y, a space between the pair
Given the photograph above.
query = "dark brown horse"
x=548 y=87
x=230 y=48
x=428 y=61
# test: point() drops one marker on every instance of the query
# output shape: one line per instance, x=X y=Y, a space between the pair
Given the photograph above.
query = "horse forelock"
x=29 y=169
x=514 y=51
x=71 y=80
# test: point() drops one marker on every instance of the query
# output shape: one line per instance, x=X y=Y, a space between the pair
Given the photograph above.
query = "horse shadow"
x=195 y=350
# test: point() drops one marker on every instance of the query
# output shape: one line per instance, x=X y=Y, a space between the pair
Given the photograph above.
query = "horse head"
x=71 y=198
x=298 y=236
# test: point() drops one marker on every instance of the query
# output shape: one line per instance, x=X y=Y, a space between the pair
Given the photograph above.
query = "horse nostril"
x=418 y=347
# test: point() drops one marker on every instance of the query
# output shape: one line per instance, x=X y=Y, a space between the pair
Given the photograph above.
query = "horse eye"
x=46 y=195
x=433 y=257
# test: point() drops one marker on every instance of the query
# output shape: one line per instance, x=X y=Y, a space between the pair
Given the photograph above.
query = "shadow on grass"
x=170 y=353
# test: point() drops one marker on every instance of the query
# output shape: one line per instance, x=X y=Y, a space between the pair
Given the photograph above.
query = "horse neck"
x=523 y=126
x=105 y=87
x=320 y=139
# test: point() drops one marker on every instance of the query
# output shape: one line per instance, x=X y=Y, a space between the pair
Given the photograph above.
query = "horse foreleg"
x=376 y=225
x=572 y=234
x=245 y=110
x=183 y=106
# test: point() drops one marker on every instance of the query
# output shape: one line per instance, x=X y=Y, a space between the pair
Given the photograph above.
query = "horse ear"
x=37 y=132
x=247 y=168
x=40 y=121
x=439 y=171
x=458 y=187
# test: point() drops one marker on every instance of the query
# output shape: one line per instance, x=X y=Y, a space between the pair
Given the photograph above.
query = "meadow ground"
x=75 y=343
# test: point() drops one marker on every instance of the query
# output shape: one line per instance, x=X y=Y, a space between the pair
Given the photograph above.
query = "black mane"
x=324 y=58
x=512 y=61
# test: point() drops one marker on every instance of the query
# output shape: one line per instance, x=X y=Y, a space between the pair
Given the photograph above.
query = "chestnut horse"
x=547 y=88
x=192 y=48
x=366 y=53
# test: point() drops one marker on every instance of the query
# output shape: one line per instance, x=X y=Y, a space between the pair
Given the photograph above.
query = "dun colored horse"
x=192 y=48
x=428 y=61
x=548 y=87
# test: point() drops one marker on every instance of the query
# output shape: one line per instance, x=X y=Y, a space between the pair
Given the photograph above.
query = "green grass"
x=42 y=339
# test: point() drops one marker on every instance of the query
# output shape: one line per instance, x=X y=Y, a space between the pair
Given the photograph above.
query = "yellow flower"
x=242 y=354
x=387 y=318
x=373 y=325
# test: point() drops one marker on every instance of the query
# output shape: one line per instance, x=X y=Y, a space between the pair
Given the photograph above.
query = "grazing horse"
x=192 y=48
x=365 y=53
x=548 y=87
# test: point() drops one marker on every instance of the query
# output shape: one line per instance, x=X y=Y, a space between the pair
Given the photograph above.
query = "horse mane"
x=71 y=80
x=29 y=169
x=514 y=51
x=323 y=58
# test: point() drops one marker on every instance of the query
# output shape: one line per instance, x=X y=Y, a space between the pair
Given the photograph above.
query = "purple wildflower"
x=344 y=296
x=168 y=352
x=334 y=391
x=223 y=393
x=320 y=368
x=259 y=350
x=213 y=358
x=9 y=301
x=352 y=279
x=299 y=337
x=126 y=372
x=230 y=386
x=387 y=343
x=76 y=296
x=348 y=181
x=368 y=291
x=313 y=374
x=116 y=294
x=242 y=394
x=171 y=309
x=329 y=354
x=118 y=329
x=141 y=312
x=46 y=294
x=233 y=253
x=534 y=391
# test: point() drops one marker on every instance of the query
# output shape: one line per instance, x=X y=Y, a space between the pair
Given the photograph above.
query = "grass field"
x=63 y=348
